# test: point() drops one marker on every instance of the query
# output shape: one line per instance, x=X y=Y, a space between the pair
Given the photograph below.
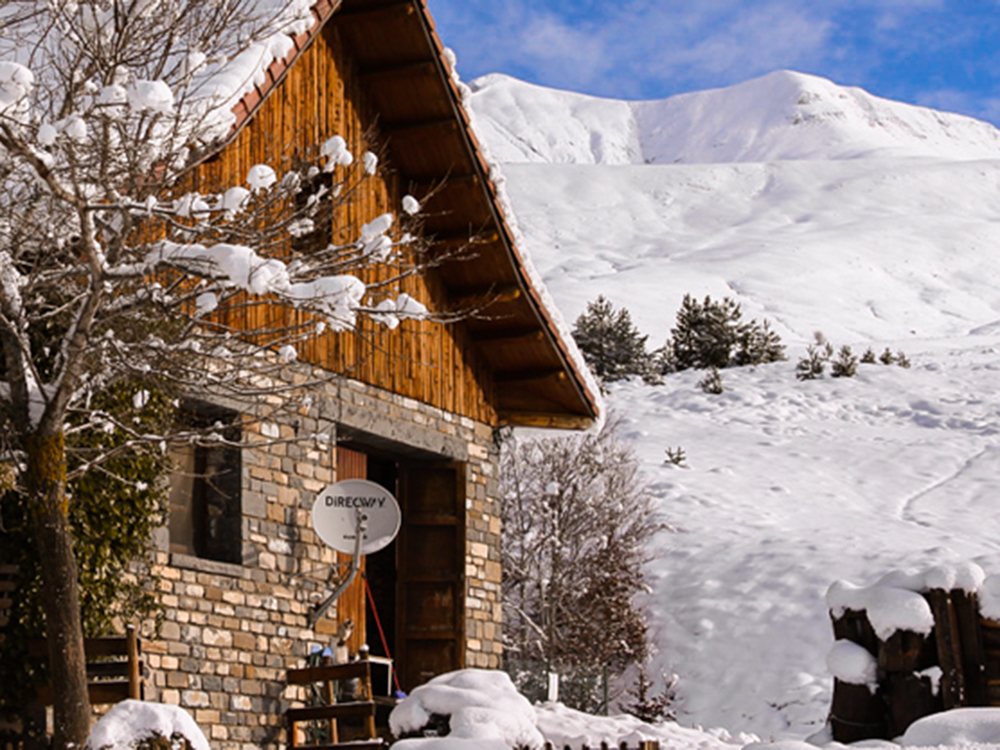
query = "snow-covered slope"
x=783 y=115
x=820 y=208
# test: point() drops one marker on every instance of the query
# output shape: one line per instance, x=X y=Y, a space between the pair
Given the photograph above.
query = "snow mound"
x=851 y=663
x=566 y=727
x=958 y=727
x=780 y=116
x=895 y=602
x=131 y=722
x=484 y=707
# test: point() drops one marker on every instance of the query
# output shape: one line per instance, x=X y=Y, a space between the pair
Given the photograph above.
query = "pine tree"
x=611 y=344
x=812 y=365
x=649 y=706
x=712 y=334
x=846 y=364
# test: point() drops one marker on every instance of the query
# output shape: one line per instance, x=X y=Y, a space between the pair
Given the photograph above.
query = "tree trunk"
x=61 y=591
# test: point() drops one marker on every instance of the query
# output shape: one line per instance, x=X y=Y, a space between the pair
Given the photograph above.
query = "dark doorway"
x=416 y=611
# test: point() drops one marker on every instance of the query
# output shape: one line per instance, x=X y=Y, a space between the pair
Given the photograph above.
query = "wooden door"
x=430 y=568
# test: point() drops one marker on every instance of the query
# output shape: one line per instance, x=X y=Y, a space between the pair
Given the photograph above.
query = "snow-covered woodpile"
x=913 y=644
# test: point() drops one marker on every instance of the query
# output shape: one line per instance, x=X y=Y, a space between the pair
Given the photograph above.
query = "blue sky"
x=938 y=53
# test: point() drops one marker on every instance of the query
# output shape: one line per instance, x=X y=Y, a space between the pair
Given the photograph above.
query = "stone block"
x=195 y=699
x=177 y=679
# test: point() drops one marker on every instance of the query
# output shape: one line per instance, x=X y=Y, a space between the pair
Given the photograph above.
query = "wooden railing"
x=114 y=668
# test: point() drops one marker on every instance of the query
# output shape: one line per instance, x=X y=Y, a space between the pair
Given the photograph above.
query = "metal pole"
x=323 y=606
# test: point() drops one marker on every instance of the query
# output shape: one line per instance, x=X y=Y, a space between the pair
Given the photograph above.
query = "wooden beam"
x=366 y=10
x=530 y=376
x=373 y=75
x=507 y=337
x=415 y=126
x=464 y=237
x=447 y=181
x=493 y=294
x=538 y=419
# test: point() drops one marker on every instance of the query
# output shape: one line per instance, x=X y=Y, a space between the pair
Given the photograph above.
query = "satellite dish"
x=342 y=507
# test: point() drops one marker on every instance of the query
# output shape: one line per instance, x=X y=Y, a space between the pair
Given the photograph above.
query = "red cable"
x=381 y=633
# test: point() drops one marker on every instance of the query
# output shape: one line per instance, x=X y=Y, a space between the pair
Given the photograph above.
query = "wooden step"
x=9 y=570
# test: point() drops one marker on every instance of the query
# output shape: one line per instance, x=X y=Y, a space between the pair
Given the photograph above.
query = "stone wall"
x=230 y=631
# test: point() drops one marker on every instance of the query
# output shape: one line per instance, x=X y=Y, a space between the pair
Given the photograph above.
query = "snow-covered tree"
x=113 y=270
x=576 y=521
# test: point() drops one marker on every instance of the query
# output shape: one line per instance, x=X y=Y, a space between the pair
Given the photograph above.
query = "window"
x=205 y=497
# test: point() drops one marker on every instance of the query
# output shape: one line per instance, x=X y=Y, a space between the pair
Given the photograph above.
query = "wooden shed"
x=416 y=409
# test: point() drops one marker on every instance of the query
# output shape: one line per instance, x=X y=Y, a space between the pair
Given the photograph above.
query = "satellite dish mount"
x=356 y=517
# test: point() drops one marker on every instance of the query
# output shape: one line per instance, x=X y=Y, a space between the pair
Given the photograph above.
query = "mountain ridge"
x=781 y=116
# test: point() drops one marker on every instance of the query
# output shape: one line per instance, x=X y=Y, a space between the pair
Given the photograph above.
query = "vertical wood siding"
x=320 y=97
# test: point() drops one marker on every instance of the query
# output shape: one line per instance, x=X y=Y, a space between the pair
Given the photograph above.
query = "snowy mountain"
x=820 y=208
x=781 y=116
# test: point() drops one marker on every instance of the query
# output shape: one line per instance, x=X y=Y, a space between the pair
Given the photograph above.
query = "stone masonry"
x=230 y=631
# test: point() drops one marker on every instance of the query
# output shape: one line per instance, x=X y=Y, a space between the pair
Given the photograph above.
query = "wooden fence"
x=964 y=646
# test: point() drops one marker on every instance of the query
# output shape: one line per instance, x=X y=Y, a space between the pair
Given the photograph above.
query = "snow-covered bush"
x=138 y=725
x=481 y=707
x=611 y=344
x=713 y=334
x=576 y=521
x=712 y=382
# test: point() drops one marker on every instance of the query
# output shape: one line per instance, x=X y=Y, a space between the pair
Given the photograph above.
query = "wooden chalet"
x=415 y=409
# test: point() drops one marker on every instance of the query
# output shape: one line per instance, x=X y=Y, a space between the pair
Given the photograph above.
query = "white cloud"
x=560 y=51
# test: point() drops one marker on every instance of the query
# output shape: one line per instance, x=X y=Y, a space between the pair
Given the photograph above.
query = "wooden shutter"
x=430 y=595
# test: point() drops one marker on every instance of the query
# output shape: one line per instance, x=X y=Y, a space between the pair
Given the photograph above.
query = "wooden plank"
x=857 y=714
x=9 y=570
x=134 y=665
x=307 y=675
x=949 y=648
x=971 y=639
x=903 y=652
x=8 y=586
x=909 y=697
x=354 y=709
x=101 y=693
x=6 y=603
x=93 y=647
x=103 y=669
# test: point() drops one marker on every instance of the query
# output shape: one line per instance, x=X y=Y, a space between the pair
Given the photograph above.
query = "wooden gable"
x=378 y=66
